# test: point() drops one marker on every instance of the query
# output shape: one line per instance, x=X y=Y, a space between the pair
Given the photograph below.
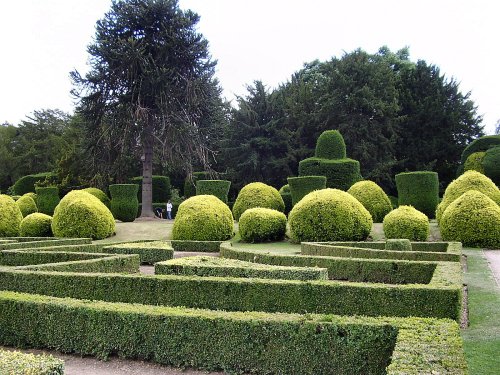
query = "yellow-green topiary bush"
x=470 y=180
x=10 y=217
x=406 y=222
x=329 y=215
x=80 y=214
x=262 y=224
x=473 y=219
x=257 y=194
x=373 y=198
x=36 y=225
x=203 y=218
x=101 y=195
x=27 y=205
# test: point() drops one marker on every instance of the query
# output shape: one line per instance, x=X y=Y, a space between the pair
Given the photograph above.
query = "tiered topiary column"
x=124 y=202
x=330 y=161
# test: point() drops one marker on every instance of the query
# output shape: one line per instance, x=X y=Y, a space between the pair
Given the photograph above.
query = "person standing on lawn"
x=169 y=210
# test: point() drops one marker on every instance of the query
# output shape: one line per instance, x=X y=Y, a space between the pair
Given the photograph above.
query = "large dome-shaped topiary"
x=203 y=218
x=10 y=217
x=80 y=214
x=36 y=225
x=27 y=205
x=99 y=194
x=257 y=194
x=262 y=224
x=473 y=219
x=470 y=180
x=329 y=215
x=373 y=198
x=406 y=222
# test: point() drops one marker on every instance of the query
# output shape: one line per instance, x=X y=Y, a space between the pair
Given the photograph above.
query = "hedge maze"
x=359 y=307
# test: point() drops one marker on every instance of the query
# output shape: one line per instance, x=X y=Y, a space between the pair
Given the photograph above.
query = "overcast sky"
x=43 y=40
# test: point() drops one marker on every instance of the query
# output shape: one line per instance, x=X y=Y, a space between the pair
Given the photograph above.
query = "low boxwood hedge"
x=149 y=252
x=33 y=242
x=214 y=266
x=196 y=246
x=28 y=257
x=17 y=363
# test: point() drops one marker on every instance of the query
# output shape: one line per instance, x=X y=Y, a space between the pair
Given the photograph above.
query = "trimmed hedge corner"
x=420 y=190
x=373 y=198
x=124 y=202
x=406 y=222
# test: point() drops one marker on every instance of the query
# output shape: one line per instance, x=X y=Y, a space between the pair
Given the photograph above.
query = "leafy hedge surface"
x=47 y=199
x=287 y=198
x=162 y=190
x=150 y=252
x=26 y=184
x=329 y=215
x=80 y=214
x=340 y=173
x=475 y=162
x=373 y=198
x=491 y=164
x=36 y=225
x=196 y=246
x=99 y=194
x=473 y=219
x=124 y=202
x=190 y=185
x=10 y=217
x=17 y=363
x=27 y=205
x=420 y=190
x=400 y=244
x=480 y=144
x=257 y=194
x=330 y=145
x=214 y=266
x=219 y=188
x=34 y=242
x=406 y=222
x=29 y=257
x=301 y=186
x=262 y=224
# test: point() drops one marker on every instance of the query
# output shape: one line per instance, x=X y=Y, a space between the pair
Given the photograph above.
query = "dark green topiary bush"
x=329 y=215
x=287 y=197
x=47 y=199
x=262 y=224
x=373 y=198
x=10 y=217
x=480 y=144
x=124 y=202
x=26 y=184
x=99 y=194
x=301 y=186
x=162 y=190
x=190 y=184
x=27 y=205
x=257 y=194
x=491 y=164
x=218 y=188
x=36 y=225
x=330 y=145
x=420 y=190
x=475 y=162
x=203 y=218
x=80 y=214
x=473 y=219
x=406 y=222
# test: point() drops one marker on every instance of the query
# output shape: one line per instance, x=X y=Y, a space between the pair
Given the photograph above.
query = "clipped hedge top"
x=27 y=205
x=99 y=194
x=257 y=194
x=14 y=362
x=142 y=245
x=330 y=145
x=373 y=198
x=406 y=222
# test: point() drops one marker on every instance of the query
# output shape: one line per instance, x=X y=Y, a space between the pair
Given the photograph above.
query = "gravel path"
x=493 y=258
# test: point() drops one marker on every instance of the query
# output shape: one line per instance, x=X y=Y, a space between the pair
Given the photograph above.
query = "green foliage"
x=221 y=267
x=420 y=190
x=340 y=174
x=491 y=164
x=124 y=202
x=203 y=218
x=301 y=186
x=190 y=184
x=470 y=180
x=196 y=246
x=373 y=198
x=480 y=144
x=47 y=199
x=475 y=162
x=219 y=188
x=149 y=252
x=80 y=214
x=39 y=242
x=406 y=222
x=99 y=194
x=398 y=244
x=257 y=194
x=17 y=363
x=10 y=217
x=262 y=225
x=26 y=184
x=286 y=195
x=330 y=145
x=162 y=190
x=27 y=205
x=36 y=225
x=473 y=219
x=329 y=215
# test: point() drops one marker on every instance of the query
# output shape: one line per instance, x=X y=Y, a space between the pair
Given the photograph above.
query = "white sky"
x=43 y=40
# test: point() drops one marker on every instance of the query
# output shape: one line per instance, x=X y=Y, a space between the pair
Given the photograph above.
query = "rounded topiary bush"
x=219 y=188
x=36 y=225
x=301 y=186
x=10 y=217
x=419 y=190
x=203 y=218
x=99 y=194
x=27 y=205
x=470 y=180
x=406 y=222
x=491 y=164
x=330 y=145
x=80 y=214
x=475 y=162
x=329 y=215
x=124 y=202
x=373 y=198
x=262 y=224
x=47 y=199
x=473 y=219
x=257 y=194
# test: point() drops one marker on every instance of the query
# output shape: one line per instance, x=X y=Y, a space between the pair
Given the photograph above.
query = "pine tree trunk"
x=147 y=173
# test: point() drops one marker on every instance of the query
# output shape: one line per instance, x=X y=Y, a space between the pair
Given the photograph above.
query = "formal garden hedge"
x=34 y=242
x=27 y=205
x=47 y=199
x=420 y=190
x=162 y=189
x=406 y=222
x=26 y=184
x=257 y=194
x=262 y=225
x=219 y=188
x=301 y=186
x=33 y=257
x=10 y=217
x=196 y=246
x=373 y=198
x=150 y=252
x=124 y=202
x=17 y=363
